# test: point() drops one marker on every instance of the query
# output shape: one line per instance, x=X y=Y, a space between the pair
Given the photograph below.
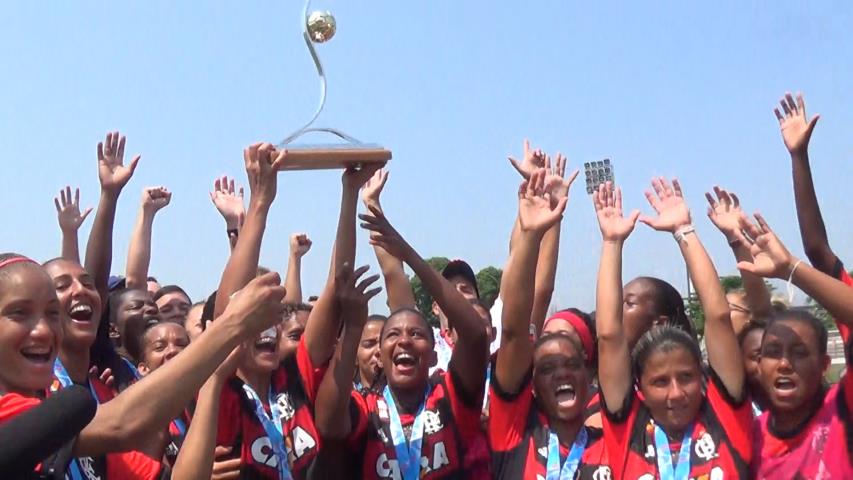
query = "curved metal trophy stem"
x=322 y=74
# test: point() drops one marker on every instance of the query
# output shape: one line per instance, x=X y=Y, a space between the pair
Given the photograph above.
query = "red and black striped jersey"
x=453 y=446
x=721 y=444
x=518 y=435
x=295 y=386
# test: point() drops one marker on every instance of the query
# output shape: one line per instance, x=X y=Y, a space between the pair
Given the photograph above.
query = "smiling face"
x=292 y=329
x=791 y=366
x=79 y=300
x=174 y=307
x=367 y=356
x=160 y=344
x=134 y=309
x=560 y=378
x=30 y=329
x=262 y=354
x=407 y=350
x=671 y=382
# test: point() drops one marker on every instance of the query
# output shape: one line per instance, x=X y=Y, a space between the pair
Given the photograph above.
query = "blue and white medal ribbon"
x=570 y=467
x=61 y=374
x=408 y=453
x=272 y=427
x=664 y=455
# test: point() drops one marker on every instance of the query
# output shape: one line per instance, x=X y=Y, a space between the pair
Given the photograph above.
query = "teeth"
x=81 y=308
x=565 y=388
x=36 y=351
x=404 y=356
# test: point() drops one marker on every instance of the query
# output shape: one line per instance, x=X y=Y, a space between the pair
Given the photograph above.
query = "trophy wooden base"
x=325 y=157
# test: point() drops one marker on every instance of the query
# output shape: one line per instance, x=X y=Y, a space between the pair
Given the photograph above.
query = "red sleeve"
x=844 y=277
x=466 y=411
x=132 y=465
x=508 y=414
x=618 y=427
x=229 y=418
x=13 y=404
x=310 y=374
x=735 y=416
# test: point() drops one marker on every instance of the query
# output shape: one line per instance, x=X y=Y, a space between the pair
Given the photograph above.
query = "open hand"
x=263 y=162
x=259 y=304
x=300 y=244
x=556 y=183
x=532 y=160
x=68 y=211
x=796 y=127
x=536 y=211
x=112 y=172
x=382 y=234
x=608 y=208
x=155 y=198
x=373 y=187
x=225 y=467
x=668 y=202
x=354 y=178
x=229 y=201
x=725 y=213
x=353 y=295
x=770 y=258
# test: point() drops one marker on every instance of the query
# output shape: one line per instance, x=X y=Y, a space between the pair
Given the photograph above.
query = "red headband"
x=14 y=260
x=580 y=328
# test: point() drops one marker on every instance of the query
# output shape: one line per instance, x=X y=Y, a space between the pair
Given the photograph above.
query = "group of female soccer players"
x=252 y=383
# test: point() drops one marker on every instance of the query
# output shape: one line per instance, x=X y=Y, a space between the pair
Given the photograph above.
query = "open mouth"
x=267 y=342
x=784 y=385
x=565 y=395
x=38 y=355
x=404 y=362
x=81 y=312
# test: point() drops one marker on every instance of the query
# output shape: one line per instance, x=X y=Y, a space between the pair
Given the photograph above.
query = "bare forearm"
x=154 y=401
x=195 y=460
x=397 y=286
x=615 y=373
x=832 y=294
x=99 y=249
x=546 y=273
x=242 y=266
x=139 y=252
x=293 y=280
x=757 y=294
x=334 y=394
x=70 y=246
x=812 y=228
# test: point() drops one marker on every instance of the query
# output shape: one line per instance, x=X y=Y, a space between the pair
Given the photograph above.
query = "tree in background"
x=488 y=282
x=693 y=307
x=821 y=313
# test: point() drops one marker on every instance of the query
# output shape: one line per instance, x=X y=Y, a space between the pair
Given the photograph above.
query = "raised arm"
x=537 y=214
x=70 y=219
x=398 y=290
x=324 y=320
x=113 y=175
x=300 y=244
x=726 y=214
x=557 y=186
x=195 y=460
x=139 y=252
x=772 y=260
x=262 y=162
x=796 y=132
x=614 y=372
x=332 y=412
x=150 y=404
x=673 y=216
x=228 y=200
x=470 y=354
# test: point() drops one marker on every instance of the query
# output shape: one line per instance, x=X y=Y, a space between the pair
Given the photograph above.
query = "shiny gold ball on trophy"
x=321 y=26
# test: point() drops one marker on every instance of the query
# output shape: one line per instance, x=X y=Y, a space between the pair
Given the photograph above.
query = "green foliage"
x=731 y=282
x=821 y=313
x=489 y=283
x=423 y=300
x=693 y=308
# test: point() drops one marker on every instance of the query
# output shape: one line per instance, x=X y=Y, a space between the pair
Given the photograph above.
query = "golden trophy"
x=319 y=27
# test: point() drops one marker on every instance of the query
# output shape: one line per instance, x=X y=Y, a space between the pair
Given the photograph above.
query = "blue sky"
x=663 y=88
